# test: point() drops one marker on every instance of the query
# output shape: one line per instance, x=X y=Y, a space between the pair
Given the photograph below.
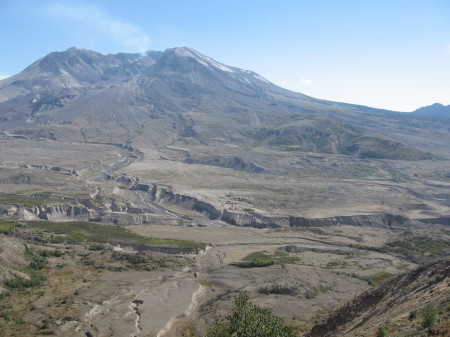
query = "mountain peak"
x=199 y=57
x=75 y=49
x=434 y=109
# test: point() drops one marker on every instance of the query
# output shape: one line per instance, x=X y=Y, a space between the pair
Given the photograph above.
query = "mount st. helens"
x=180 y=95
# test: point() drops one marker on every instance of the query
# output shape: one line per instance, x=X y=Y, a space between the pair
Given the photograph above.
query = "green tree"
x=249 y=320
x=429 y=317
x=382 y=332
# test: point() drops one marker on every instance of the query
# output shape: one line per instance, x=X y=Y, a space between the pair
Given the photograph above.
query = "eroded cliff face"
x=163 y=196
x=153 y=210
x=370 y=220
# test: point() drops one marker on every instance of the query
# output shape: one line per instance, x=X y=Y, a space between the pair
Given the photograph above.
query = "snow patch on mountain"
x=260 y=78
x=202 y=59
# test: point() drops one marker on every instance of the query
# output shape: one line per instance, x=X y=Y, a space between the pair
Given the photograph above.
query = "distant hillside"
x=435 y=112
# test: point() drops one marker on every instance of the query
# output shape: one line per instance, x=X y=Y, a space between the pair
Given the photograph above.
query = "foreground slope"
x=397 y=306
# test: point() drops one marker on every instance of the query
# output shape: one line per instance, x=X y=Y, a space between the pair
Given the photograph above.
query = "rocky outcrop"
x=163 y=196
x=234 y=163
x=158 y=197
x=253 y=220
x=443 y=220
x=119 y=215
x=372 y=220
x=59 y=212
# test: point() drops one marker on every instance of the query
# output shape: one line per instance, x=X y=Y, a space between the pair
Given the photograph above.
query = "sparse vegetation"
x=337 y=264
x=422 y=247
x=375 y=279
x=5 y=227
x=278 y=289
x=38 y=261
x=143 y=261
x=96 y=233
x=50 y=253
x=264 y=259
x=28 y=200
x=352 y=171
x=254 y=264
x=20 y=283
x=180 y=244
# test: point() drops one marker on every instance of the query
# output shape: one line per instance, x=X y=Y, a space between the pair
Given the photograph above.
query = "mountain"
x=435 y=109
x=434 y=112
x=79 y=94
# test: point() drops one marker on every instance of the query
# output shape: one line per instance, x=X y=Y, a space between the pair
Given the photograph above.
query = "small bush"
x=382 y=332
x=264 y=259
x=45 y=324
x=49 y=253
x=38 y=263
x=278 y=289
x=96 y=247
x=253 y=264
x=430 y=317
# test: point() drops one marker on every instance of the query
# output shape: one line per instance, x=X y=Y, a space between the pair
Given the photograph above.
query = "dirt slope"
x=390 y=306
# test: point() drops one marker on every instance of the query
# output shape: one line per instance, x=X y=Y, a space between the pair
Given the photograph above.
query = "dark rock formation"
x=371 y=220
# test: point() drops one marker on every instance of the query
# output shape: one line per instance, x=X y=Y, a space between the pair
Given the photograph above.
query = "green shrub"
x=249 y=320
x=430 y=317
x=423 y=247
x=253 y=263
x=96 y=247
x=20 y=283
x=278 y=289
x=96 y=233
x=49 y=253
x=264 y=259
x=382 y=332
x=6 y=227
x=38 y=263
x=45 y=324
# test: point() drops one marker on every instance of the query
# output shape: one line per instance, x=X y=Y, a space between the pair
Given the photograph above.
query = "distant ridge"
x=436 y=109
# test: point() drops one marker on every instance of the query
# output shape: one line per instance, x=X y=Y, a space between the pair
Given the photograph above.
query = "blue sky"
x=388 y=54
